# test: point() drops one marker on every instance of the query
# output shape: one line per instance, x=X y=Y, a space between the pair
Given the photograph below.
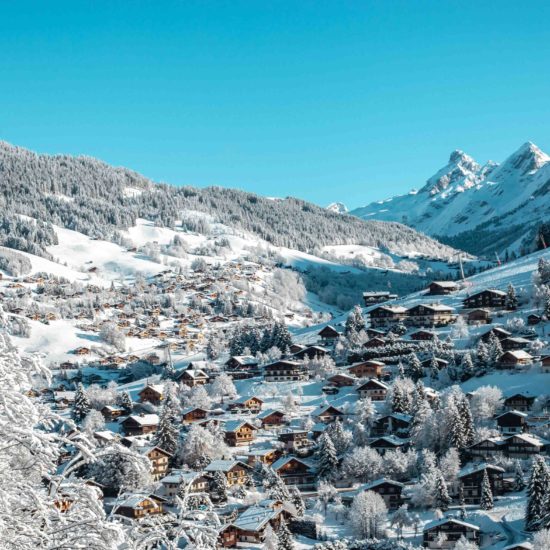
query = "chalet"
x=152 y=393
x=545 y=363
x=295 y=348
x=176 y=480
x=248 y=403
x=533 y=319
x=490 y=297
x=311 y=352
x=389 y=490
x=82 y=351
x=442 y=288
x=441 y=363
x=242 y=362
x=367 y=369
x=519 y=402
x=389 y=443
x=471 y=478
x=294 y=440
x=157 y=457
x=371 y=298
x=372 y=332
x=430 y=315
x=285 y=371
x=517 y=358
x=499 y=332
x=327 y=414
x=524 y=445
x=424 y=335
x=193 y=414
x=386 y=316
x=442 y=534
x=192 y=377
x=111 y=413
x=236 y=472
x=374 y=342
x=328 y=334
x=296 y=472
x=374 y=389
x=140 y=506
x=238 y=433
x=392 y=424
x=479 y=316
x=272 y=418
x=140 y=424
x=262 y=456
x=341 y=380
x=105 y=437
x=514 y=343
x=487 y=447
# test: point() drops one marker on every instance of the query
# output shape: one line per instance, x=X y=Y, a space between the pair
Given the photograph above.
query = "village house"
x=238 y=433
x=157 y=457
x=341 y=380
x=373 y=388
x=388 y=489
x=327 y=414
x=140 y=424
x=152 y=393
x=512 y=422
x=193 y=414
x=248 y=403
x=423 y=335
x=374 y=342
x=296 y=472
x=311 y=352
x=387 y=316
x=524 y=445
x=519 y=402
x=294 y=440
x=272 y=419
x=242 y=362
x=389 y=443
x=328 y=335
x=111 y=412
x=430 y=315
x=192 y=377
x=479 y=316
x=140 y=506
x=82 y=351
x=235 y=471
x=514 y=359
x=367 y=369
x=177 y=480
x=441 y=363
x=392 y=424
x=285 y=371
x=490 y=298
x=499 y=332
x=442 y=288
x=377 y=297
x=514 y=343
x=262 y=456
x=442 y=534
x=470 y=479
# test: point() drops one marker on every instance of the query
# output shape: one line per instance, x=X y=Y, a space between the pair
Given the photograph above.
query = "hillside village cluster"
x=248 y=432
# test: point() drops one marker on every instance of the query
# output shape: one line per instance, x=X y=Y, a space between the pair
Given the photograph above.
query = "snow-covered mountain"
x=480 y=208
x=338 y=207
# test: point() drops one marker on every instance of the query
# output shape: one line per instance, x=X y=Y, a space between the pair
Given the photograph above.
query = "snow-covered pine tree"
x=519 y=477
x=340 y=438
x=482 y=357
x=467 y=421
x=327 y=458
x=537 y=492
x=81 y=405
x=271 y=541
x=275 y=487
x=298 y=501
x=414 y=368
x=125 y=401
x=511 y=297
x=354 y=322
x=442 y=498
x=466 y=367
x=167 y=434
x=285 y=540
x=218 y=487
x=486 y=502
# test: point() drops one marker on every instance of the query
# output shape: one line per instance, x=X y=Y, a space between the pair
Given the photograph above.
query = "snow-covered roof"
x=443 y=521
x=180 y=476
x=246 y=359
x=515 y=413
x=473 y=468
x=380 y=481
x=244 y=398
x=323 y=408
x=223 y=465
x=159 y=388
x=234 y=425
x=145 y=420
x=134 y=501
x=531 y=439
x=518 y=354
x=279 y=463
x=268 y=412
x=254 y=518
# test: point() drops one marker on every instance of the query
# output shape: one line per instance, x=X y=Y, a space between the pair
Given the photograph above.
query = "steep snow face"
x=505 y=201
x=338 y=207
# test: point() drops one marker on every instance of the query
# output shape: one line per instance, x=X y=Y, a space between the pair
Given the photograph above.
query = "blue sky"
x=347 y=101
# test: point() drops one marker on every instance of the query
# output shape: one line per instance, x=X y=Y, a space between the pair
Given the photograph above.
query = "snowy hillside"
x=478 y=208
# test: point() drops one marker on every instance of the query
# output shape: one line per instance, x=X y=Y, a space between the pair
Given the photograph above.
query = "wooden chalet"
x=489 y=297
x=512 y=422
x=285 y=371
x=367 y=369
x=442 y=288
x=248 y=403
x=499 y=332
x=430 y=315
x=387 y=316
x=514 y=343
x=389 y=443
x=327 y=414
x=111 y=413
x=140 y=424
x=479 y=316
x=296 y=472
x=392 y=424
x=441 y=363
x=152 y=393
x=519 y=402
x=235 y=471
x=192 y=377
x=311 y=352
x=176 y=480
x=377 y=297
x=238 y=433
x=272 y=419
x=328 y=334
x=294 y=440
x=514 y=359
x=443 y=534
x=423 y=335
x=262 y=456
x=157 y=457
x=140 y=506
x=82 y=351
x=374 y=342
x=193 y=414
x=470 y=479
x=388 y=489
x=373 y=388
x=341 y=380
x=242 y=362
x=524 y=445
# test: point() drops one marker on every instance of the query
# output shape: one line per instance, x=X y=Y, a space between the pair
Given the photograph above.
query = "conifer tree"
x=486 y=502
x=125 y=401
x=468 y=431
x=298 y=501
x=81 y=405
x=442 y=498
x=284 y=537
x=537 y=492
x=219 y=487
x=511 y=297
x=168 y=433
x=328 y=460
x=354 y=322
x=271 y=541
x=519 y=478
x=414 y=368
x=466 y=367
x=482 y=356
